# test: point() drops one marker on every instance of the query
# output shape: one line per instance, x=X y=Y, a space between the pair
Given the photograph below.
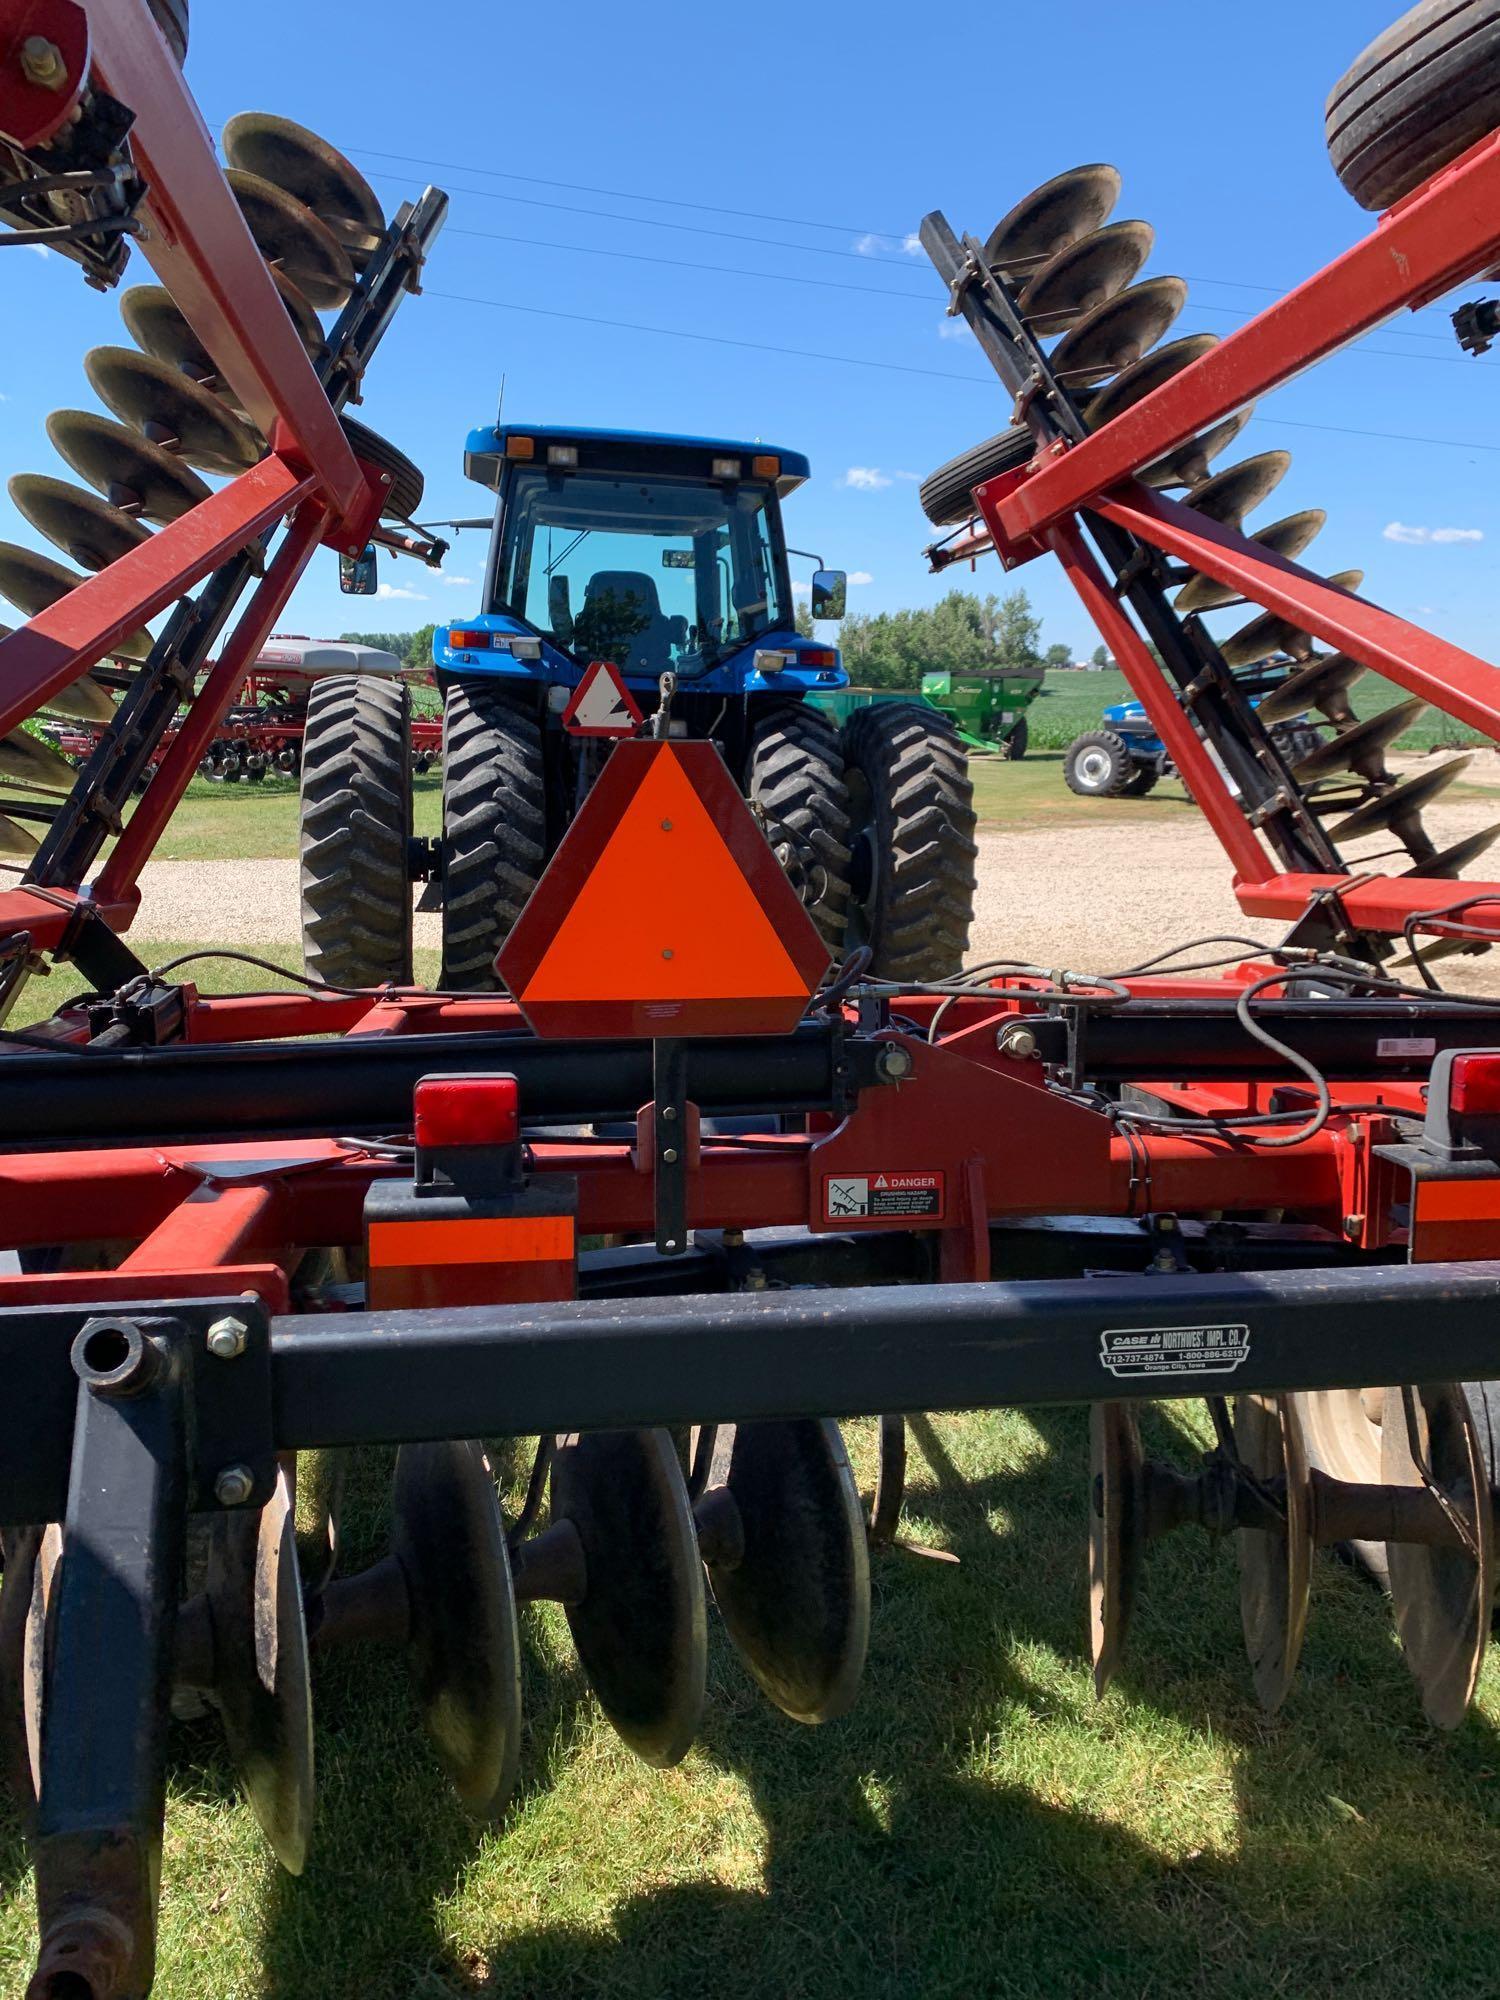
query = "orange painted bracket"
x=664 y=911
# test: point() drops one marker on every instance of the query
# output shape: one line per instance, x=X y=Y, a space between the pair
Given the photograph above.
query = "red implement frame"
x=1446 y=231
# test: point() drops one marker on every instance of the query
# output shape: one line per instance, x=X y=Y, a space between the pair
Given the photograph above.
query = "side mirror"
x=560 y=610
x=358 y=575
x=830 y=588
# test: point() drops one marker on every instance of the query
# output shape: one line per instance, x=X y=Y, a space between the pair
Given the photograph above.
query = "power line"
x=927 y=300
x=888 y=367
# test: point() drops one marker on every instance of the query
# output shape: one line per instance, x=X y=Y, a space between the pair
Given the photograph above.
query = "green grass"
x=979 y=1825
x=218 y=822
x=1071 y=702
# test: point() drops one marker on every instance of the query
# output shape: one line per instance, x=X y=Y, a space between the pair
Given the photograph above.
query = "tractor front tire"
x=912 y=809
x=494 y=827
x=794 y=778
x=1099 y=765
x=355 y=822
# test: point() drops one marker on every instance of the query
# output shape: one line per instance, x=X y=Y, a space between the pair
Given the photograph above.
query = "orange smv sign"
x=663 y=912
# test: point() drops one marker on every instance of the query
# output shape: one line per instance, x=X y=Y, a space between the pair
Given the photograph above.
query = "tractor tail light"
x=463 y=641
x=817 y=656
x=467 y=1111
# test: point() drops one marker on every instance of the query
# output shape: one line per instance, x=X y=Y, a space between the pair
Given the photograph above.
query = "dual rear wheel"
x=874 y=827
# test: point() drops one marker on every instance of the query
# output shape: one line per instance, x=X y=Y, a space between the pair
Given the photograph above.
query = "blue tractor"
x=1125 y=758
x=665 y=556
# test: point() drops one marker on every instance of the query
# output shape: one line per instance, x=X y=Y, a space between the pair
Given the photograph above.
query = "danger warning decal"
x=1174 y=1350
x=882 y=1197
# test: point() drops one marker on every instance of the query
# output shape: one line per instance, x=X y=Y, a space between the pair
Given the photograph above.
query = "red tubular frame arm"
x=1448 y=230
x=199 y=246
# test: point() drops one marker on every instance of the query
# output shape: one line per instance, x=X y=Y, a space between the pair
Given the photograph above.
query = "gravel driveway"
x=1093 y=898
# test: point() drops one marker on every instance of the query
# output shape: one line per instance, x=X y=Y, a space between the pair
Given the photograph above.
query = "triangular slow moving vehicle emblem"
x=601 y=704
x=663 y=911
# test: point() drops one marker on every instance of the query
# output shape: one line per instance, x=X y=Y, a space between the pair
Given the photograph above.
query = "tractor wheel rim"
x=1093 y=767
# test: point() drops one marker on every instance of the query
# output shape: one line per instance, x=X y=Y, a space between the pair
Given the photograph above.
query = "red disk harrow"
x=661 y=1200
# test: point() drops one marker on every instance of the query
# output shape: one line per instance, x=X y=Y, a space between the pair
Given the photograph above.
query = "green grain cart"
x=987 y=706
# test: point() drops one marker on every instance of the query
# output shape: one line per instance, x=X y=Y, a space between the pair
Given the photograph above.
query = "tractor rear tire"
x=912 y=807
x=494 y=827
x=795 y=776
x=1420 y=94
x=1142 y=782
x=354 y=827
x=1017 y=741
x=1098 y=765
x=947 y=495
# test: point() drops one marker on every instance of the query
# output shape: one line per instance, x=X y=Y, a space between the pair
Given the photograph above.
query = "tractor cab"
x=660 y=554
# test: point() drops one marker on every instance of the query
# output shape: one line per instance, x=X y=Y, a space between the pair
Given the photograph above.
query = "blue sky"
x=795 y=149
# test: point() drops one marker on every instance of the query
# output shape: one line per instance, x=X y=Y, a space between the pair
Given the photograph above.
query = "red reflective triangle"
x=663 y=912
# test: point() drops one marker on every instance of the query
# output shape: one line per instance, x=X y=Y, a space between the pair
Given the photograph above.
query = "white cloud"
x=39 y=249
x=801 y=589
x=449 y=577
x=952 y=329
x=1398 y=531
x=873 y=246
x=860 y=576
x=866 y=478
x=389 y=590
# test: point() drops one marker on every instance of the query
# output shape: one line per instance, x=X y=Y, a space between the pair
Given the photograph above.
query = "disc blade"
x=449 y=1539
x=20 y=1546
x=1084 y=274
x=1361 y=748
x=262 y=1687
x=27 y=760
x=1441 y=1595
x=124 y=466
x=1402 y=802
x=1287 y=538
x=1116 y=334
x=796 y=1599
x=1052 y=216
x=152 y=397
x=1159 y=366
x=1275 y=1563
x=1455 y=859
x=159 y=327
x=1116 y=1533
x=17 y=842
x=1271 y=633
x=1188 y=464
x=87 y=529
x=311 y=171
x=31 y=582
x=1230 y=495
x=287 y=233
x=83 y=700
x=1321 y=683
x=641 y=1627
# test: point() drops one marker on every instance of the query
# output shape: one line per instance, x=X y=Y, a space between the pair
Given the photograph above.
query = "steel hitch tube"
x=111 y=1617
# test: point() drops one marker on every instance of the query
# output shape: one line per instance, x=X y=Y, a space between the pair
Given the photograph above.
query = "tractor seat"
x=622 y=619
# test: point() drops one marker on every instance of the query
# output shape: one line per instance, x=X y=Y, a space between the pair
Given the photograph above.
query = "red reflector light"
x=1474 y=1088
x=468 y=642
x=817 y=656
x=467 y=1111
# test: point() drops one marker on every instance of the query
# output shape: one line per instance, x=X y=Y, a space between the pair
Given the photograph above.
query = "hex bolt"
x=669 y=1156
x=1017 y=1040
x=42 y=63
x=234 y=1486
x=893 y=1064
x=226 y=1339
x=668 y=1113
x=666 y=826
x=666 y=951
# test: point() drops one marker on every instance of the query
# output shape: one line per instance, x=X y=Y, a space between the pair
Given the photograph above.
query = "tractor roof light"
x=520 y=447
x=765 y=466
x=727 y=468
x=562 y=454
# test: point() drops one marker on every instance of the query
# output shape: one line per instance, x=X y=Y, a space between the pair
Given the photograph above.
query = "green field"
x=1071 y=702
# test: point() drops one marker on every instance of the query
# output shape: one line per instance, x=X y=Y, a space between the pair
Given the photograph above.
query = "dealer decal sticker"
x=1174 y=1350
x=877 y=1197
